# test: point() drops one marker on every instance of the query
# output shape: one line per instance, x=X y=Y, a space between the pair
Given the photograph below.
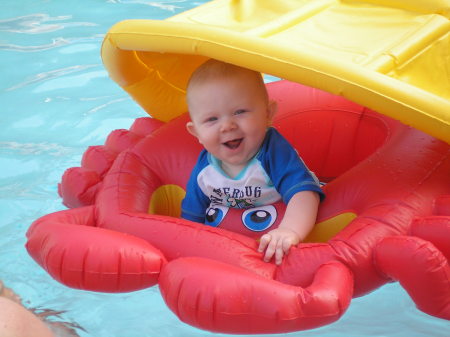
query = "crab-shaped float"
x=387 y=212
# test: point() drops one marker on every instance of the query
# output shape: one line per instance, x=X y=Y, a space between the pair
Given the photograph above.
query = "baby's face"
x=230 y=116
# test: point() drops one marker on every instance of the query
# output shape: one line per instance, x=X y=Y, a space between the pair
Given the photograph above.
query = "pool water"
x=55 y=100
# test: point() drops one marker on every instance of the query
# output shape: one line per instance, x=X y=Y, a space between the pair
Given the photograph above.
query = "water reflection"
x=38 y=24
x=160 y=4
x=58 y=42
x=52 y=74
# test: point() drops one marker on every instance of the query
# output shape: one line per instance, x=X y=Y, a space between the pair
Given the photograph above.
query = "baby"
x=246 y=162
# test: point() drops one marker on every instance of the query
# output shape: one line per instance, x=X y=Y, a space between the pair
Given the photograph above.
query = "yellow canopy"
x=391 y=56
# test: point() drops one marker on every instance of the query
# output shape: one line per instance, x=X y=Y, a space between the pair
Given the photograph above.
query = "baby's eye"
x=210 y=119
x=240 y=111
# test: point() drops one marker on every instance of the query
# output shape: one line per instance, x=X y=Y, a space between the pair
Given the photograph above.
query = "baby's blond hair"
x=212 y=69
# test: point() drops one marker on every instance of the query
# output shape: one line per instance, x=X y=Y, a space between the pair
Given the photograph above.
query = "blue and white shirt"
x=276 y=172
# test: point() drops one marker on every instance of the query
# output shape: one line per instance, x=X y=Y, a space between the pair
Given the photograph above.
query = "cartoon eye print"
x=215 y=215
x=259 y=218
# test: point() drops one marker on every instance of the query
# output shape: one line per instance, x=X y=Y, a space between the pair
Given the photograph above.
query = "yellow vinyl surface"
x=391 y=56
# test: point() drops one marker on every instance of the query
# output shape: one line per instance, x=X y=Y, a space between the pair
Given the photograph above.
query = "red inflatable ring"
x=386 y=217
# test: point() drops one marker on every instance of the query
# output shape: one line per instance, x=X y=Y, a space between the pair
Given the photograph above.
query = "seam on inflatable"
x=85 y=278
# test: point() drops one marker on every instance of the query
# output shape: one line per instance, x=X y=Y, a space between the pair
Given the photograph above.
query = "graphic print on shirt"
x=237 y=198
x=250 y=189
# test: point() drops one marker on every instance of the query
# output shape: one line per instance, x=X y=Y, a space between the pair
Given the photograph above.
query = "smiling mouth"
x=233 y=144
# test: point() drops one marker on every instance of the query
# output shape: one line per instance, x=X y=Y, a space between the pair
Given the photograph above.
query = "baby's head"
x=214 y=69
x=230 y=112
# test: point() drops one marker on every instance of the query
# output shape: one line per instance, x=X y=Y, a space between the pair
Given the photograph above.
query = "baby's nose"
x=228 y=124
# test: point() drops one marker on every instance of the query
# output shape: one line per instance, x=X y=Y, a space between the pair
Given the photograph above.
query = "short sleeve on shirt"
x=285 y=168
x=195 y=202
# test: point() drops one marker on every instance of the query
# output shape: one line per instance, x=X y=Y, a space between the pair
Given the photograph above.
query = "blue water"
x=55 y=100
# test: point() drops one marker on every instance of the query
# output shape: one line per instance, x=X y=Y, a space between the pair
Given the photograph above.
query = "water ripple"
x=52 y=74
x=37 y=24
x=58 y=42
x=51 y=149
x=40 y=24
x=106 y=105
x=160 y=5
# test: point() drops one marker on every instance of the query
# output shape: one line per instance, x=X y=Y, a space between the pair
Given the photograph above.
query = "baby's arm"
x=298 y=220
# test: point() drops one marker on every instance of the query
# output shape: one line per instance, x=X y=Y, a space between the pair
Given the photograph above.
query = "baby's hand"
x=278 y=242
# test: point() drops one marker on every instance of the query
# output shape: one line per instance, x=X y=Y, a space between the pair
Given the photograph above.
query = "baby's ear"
x=191 y=128
x=272 y=110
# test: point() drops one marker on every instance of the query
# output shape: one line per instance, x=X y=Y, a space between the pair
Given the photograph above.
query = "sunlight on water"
x=56 y=100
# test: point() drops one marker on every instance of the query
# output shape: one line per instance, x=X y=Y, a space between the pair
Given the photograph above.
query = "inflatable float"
x=371 y=118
